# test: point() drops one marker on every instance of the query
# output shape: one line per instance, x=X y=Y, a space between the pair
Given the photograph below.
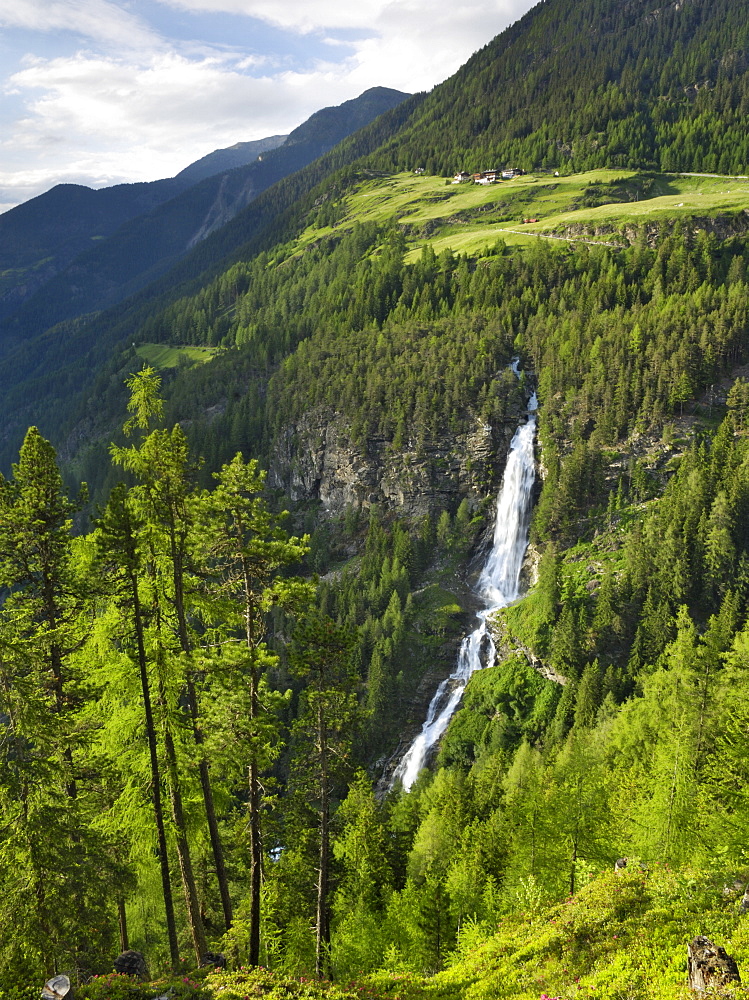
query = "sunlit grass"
x=170 y=355
x=467 y=217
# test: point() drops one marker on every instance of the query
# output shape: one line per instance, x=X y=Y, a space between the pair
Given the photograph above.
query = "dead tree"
x=709 y=967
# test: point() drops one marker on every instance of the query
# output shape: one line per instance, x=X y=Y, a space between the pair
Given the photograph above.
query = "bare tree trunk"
x=210 y=809
x=322 y=944
x=56 y=666
x=166 y=882
x=197 y=732
x=192 y=903
x=256 y=847
x=122 y=920
x=195 y=920
x=573 y=863
x=256 y=862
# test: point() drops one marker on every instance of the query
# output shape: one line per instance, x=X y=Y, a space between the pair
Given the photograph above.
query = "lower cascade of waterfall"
x=498 y=586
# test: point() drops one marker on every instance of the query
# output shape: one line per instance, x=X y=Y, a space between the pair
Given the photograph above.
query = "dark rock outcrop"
x=131 y=963
x=213 y=958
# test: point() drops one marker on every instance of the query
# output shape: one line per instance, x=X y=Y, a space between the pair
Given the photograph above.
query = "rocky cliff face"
x=316 y=459
x=235 y=192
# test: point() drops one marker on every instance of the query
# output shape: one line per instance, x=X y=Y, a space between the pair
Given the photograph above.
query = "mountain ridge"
x=145 y=243
x=220 y=160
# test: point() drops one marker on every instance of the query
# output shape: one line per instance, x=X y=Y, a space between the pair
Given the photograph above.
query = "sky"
x=102 y=92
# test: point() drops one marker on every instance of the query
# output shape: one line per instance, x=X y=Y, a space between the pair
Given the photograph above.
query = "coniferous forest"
x=237 y=563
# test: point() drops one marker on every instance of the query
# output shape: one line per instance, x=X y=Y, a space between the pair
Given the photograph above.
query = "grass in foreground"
x=620 y=937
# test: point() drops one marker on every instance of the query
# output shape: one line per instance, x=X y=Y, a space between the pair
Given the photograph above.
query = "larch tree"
x=53 y=864
x=120 y=552
x=160 y=464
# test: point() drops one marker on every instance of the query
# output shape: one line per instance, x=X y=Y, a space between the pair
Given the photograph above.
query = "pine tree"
x=362 y=847
x=55 y=867
x=578 y=803
x=160 y=464
x=35 y=547
x=242 y=548
x=329 y=718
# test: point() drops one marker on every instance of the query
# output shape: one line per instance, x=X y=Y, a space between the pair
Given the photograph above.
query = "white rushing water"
x=498 y=586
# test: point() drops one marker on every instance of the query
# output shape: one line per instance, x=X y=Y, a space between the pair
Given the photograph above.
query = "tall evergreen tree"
x=120 y=551
x=160 y=464
x=55 y=868
x=329 y=717
x=243 y=547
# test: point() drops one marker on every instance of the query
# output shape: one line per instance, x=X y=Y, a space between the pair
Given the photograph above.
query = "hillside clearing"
x=590 y=207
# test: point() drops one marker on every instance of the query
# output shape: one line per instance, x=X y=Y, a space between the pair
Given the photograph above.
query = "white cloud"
x=98 y=20
x=407 y=44
x=304 y=16
x=98 y=120
x=380 y=16
x=133 y=104
x=417 y=45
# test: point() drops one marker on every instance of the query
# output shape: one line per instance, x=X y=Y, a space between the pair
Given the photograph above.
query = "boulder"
x=56 y=988
x=214 y=959
x=132 y=963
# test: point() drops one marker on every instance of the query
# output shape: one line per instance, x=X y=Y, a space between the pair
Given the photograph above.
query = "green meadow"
x=169 y=356
x=591 y=206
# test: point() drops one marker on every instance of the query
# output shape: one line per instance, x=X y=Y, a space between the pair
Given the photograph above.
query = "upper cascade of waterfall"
x=499 y=583
x=498 y=586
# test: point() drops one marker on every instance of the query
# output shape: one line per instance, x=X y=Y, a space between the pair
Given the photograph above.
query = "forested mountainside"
x=138 y=231
x=48 y=375
x=39 y=238
x=582 y=85
x=204 y=699
x=42 y=236
x=622 y=84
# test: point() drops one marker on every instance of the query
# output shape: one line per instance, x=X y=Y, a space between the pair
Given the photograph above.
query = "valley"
x=254 y=490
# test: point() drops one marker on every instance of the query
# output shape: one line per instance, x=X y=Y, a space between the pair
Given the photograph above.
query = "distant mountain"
x=42 y=236
x=146 y=245
x=574 y=84
x=221 y=160
x=39 y=238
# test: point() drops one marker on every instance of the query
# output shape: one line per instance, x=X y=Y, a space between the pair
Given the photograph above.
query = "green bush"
x=114 y=986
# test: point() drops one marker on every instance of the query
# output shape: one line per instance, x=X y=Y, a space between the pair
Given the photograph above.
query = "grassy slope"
x=466 y=218
x=620 y=937
x=163 y=356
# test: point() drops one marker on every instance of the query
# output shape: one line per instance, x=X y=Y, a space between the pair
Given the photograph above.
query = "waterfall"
x=498 y=586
